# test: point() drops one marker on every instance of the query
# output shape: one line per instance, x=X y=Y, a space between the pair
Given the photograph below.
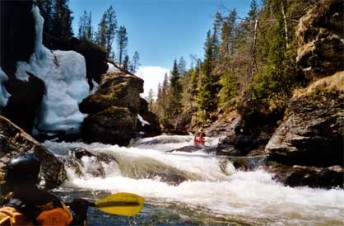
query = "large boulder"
x=13 y=141
x=320 y=36
x=114 y=125
x=121 y=90
x=113 y=109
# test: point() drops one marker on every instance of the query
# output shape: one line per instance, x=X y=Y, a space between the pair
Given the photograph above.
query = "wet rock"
x=247 y=163
x=114 y=125
x=191 y=148
x=78 y=153
x=317 y=177
x=14 y=141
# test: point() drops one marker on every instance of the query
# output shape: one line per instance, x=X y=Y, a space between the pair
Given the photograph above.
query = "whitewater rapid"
x=204 y=181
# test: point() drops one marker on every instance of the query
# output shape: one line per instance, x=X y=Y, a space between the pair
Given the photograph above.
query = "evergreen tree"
x=252 y=14
x=85 y=26
x=101 y=33
x=135 y=62
x=62 y=20
x=175 y=92
x=46 y=10
x=207 y=90
x=150 y=99
x=57 y=17
x=181 y=66
x=126 y=62
x=107 y=30
x=122 y=42
x=111 y=21
x=216 y=35
x=162 y=101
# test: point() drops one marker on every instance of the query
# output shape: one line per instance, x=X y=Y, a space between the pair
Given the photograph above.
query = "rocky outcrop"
x=307 y=147
x=312 y=135
x=113 y=110
x=320 y=35
x=119 y=89
x=14 y=141
x=313 y=132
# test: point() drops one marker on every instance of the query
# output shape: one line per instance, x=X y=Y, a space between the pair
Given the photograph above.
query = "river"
x=195 y=188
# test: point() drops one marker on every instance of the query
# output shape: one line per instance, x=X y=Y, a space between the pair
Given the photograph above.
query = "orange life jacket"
x=57 y=216
x=9 y=216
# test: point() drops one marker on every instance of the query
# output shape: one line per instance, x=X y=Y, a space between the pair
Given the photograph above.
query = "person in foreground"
x=27 y=205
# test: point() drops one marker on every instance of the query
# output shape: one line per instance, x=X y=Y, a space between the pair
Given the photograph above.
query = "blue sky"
x=160 y=30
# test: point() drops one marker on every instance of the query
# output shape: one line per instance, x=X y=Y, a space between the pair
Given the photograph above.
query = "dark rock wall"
x=24 y=103
x=17 y=35
x=308 y=147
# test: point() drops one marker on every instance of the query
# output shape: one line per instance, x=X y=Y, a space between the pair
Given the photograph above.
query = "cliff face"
x=320 y=36
x=311 y=135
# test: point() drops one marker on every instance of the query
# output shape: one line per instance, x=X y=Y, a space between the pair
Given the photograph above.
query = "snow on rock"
x=143 y=122
x=112 y=68
x=4 y=95
x=64 y=74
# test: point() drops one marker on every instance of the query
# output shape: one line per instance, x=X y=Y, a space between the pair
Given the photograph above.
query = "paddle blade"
x=125 y=204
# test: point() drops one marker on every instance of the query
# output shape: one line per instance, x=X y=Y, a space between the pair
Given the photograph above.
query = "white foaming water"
x=211 y=184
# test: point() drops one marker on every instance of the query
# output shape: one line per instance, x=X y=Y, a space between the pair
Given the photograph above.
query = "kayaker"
x=27 y=205
x=199 y=138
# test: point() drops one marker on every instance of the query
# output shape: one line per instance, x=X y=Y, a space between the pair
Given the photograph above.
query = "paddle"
x=124 y=204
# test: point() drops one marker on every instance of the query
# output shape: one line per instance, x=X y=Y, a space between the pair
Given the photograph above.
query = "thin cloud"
x=152 y=76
